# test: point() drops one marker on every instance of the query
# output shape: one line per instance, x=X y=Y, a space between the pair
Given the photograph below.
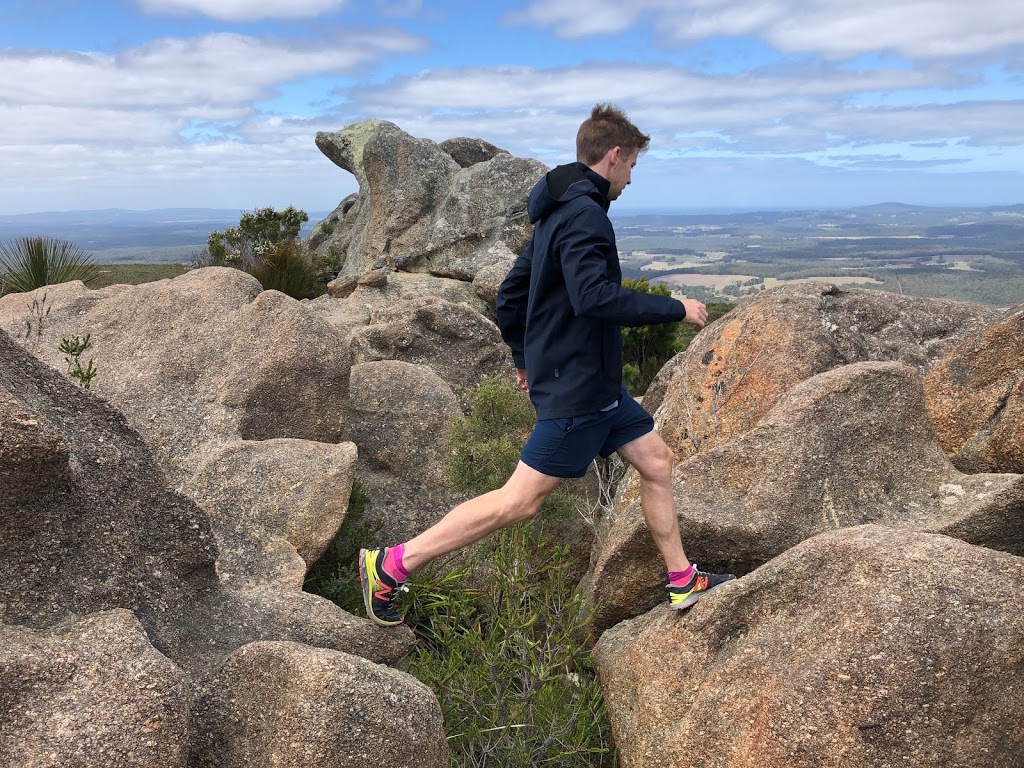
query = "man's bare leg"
x=519 y=499
x=652 y=459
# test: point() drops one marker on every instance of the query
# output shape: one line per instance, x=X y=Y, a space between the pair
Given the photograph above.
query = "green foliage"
x=256 y=234
x=72 y=347
x=336 y=574
x=485 y=445
x=504 y=637
x=29 y=263
x=285 y=267
x=646 y=348
x=509 y=656
x=265 y=244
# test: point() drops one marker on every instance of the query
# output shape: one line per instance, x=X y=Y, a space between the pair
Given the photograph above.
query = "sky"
x=750 y=104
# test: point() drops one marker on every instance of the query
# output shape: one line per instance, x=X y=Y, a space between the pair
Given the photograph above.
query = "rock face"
x=975 y=396
x=422 y=207
x=291 y=706
x=742 y=365
x=92 y=693
x=210 y=368
x=459 y=344
x=847 y=447
x=416 y=403
x=861 y=647
x=275 y=505
x=88 y=523
x=466 y=151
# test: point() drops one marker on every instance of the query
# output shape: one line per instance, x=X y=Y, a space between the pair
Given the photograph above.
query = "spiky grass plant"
x=28 y=263
x=286 y=267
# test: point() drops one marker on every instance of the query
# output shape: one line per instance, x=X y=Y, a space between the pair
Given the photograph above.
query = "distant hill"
x=163 y=235
x=173 y=235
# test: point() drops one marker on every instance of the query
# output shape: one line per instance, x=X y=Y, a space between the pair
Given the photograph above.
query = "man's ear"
x=614 y=155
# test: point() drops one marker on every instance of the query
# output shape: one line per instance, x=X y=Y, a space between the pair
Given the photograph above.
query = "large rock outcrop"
x=211 y=369
x=89 y=531
x=88 y=523
x=738 y=368
x=849 y=446
x=861 y=647
x=975 y=396
x=449 y=209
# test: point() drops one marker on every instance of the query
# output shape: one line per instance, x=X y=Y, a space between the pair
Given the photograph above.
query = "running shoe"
x=680 y=597
x=379 y=589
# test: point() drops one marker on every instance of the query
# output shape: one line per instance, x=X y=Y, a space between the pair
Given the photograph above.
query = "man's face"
x=619 y=174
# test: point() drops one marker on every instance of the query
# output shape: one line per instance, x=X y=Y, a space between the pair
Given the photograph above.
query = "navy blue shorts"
x=565 y=447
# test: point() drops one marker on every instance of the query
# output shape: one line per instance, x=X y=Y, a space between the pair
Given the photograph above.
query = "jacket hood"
x=565 y=183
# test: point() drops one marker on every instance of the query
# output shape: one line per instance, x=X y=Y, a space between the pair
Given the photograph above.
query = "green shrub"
x=266 y=245
x=485 y=445
x=506 y=651
x=285 y=267
x=646 y=348
x=256 y=234
x=504 y=637
x=29 y=263
x=73 y=347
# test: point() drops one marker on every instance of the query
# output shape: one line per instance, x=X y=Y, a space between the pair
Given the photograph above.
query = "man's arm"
x=511 y=306
x=584 y=248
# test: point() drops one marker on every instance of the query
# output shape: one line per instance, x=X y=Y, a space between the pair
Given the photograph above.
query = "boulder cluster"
x=856 y=457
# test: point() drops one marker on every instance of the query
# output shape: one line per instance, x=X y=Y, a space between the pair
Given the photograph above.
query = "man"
x=560 y=310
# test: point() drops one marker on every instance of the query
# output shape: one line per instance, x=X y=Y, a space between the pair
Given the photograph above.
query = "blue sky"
x=750 y=103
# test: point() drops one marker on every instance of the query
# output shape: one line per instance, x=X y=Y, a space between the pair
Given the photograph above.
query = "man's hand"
x=521 y=381
x=696 y=312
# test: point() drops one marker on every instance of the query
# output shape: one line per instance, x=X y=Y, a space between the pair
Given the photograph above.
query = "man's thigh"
x=629 y=422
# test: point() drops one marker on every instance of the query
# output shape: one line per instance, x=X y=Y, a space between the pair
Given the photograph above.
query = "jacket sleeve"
x=511 y=306
x=586 y=243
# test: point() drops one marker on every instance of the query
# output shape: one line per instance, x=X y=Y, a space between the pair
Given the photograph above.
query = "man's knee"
x=517 y=507
x=657 y=466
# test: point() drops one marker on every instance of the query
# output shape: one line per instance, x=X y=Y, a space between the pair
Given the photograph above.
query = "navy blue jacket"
x=562 y=305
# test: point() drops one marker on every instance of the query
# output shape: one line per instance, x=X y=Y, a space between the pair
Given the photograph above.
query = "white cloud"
x=517 y=87
x=838 y=29
x=243 y=10
x=787 y=112
x=216 y=76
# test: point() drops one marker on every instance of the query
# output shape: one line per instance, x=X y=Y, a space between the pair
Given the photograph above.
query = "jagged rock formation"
x=448 y=210
x=738 y=368
x=975 y=396
x=209 y=368
x=849 y=446
x=860 y=647
x=89 y=524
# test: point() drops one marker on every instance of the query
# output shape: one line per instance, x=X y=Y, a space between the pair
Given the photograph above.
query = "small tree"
x=646 y=348
x=256 y=234
x=266 y=245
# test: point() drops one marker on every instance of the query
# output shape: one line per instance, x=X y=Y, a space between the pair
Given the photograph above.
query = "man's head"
x=610 y=145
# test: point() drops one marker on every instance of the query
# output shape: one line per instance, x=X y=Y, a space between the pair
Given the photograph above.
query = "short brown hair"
x=607 y=128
